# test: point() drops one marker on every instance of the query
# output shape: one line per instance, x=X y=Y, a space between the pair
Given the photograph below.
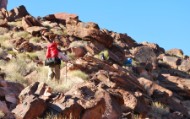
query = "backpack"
x=52 y=61
x=128 y=61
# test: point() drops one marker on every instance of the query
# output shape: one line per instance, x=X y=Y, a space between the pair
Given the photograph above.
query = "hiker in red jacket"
x=53 y=55
x=52 y=59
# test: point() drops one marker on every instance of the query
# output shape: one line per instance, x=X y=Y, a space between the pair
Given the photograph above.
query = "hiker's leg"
x=57 y=72
x=50 y=73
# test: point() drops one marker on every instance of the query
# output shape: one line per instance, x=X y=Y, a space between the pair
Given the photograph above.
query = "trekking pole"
x=66 y=73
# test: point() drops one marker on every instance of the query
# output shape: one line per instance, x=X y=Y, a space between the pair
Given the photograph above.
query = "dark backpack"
x=52 y=61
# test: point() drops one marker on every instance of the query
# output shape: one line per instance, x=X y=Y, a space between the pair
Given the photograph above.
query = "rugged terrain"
x=155 y=86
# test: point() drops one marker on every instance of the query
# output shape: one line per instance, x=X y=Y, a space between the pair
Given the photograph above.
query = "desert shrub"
x=23 y=57
x=57 y=86
x=17 y=69
x=22 y=34
x=4 y=37
x=42 y=73
x=46 y=24
x=158 y=110
x=41 y=54
x=71 y=56
x=64 y=32
x=56 y=116
x=78 y=73
x=62 y=26
x=42 y=76
x=15 y=24
x=78 y=44
x=105 y=53
x=32 y=55
x=3 y=30
x=57 y=31
x=6 y=45
x=4 y=40
x=35 y=39
x=137 y=116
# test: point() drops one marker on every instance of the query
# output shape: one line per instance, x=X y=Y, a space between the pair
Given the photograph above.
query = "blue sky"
x=165 y=22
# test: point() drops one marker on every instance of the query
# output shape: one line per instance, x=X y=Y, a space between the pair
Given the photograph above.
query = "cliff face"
x=155 y=85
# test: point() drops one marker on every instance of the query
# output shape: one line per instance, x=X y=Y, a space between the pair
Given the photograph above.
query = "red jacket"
x=52 y=50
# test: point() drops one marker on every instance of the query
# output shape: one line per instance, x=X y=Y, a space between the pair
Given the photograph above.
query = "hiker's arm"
x=45 y=38
x=63 y=57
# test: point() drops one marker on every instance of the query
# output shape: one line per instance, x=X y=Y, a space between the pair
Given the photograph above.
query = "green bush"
x=105 y=53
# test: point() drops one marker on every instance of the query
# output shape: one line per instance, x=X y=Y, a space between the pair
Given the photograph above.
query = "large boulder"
x=38 y=89
x=172 y=61
x=176 y=84
x=78 y=51
x=94 y=48
x=22 y=45
x=29 y=21
x=88 y=31
x=144 y=54
x=17 y=13
x=185 y=66
x=118 y=52
x=32 y=101
x=175 y=52
x=34 y=30
x=156 y=48
x=123 y=40
x=61 y=17
x=31 y=107
x=65 y=16
x=152 y=87
x=98 y=101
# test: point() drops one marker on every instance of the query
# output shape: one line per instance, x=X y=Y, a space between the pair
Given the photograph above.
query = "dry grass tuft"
x=22 y=34
x=35 y=40
x=78 y=73
x=56 y=116
x=78 y=44
x=3 y=30
x=4 y=40
x=15 y=24
x=158 y=110
x=57 y=31
x=18 y=68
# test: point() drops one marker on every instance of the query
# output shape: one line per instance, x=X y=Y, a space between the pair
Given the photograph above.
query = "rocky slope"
x=155 y=86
